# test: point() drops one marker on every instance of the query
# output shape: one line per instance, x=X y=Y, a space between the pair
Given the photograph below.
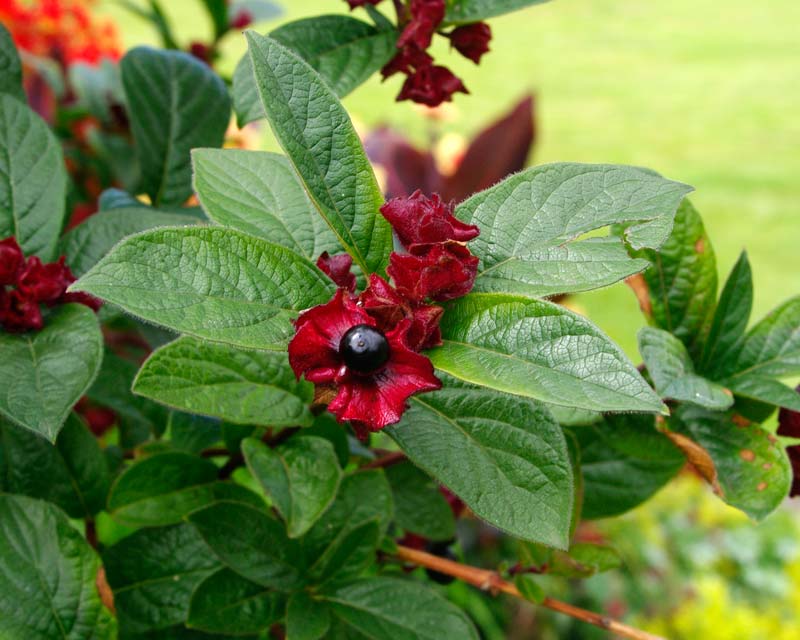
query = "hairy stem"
x=491 y=581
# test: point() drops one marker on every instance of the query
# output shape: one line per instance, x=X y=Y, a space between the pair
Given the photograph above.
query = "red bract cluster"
x=367 y=346
x=427 y=83
x=789 y=426
x=26 y=284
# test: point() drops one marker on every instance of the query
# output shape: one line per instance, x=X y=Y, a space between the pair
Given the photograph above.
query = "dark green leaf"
x=539 y=350
x=193 y=433
x=300 y=477
x=218 y=10
x=153 y=574
x=419 y=506
x=530 y=224
x=47 y=582
x=325 y=426
x=730 y=319
x=242 y=387
x=10 y=66
x=584 y=560
x=672 y=371
x=259 y=193
x=225 y=602
x=466 y=11
x=504 y=456
x=394 y=609
x=317 y=135
x=72 y=473
x=751 y=470
x=44 y=373
x=87 y=243
x=212 y=283
x=531 y=590
x=176 y=103
x=767 y=390
x=306 y=618
x=682 y=283
x=624 y=461
x=32 y=180
x=252 y=543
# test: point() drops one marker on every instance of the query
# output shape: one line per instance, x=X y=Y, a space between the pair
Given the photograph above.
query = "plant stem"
x=491 y=581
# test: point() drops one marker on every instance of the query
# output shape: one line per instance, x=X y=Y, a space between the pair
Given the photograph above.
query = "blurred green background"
x=703 y=91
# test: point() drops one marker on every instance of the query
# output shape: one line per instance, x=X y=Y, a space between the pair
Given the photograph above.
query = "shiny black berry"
x=364 y=349
x=443 y=550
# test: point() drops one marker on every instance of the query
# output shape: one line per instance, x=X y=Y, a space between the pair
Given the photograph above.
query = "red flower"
x=431 y=85
x=407 y=60
x=789 y=426
x=375 y=373
x=11 y=260
x=44 y=282
x=418 y=219
x=426 y=15
x=439 y=272
x=388 y=308
x=79 y=297
x=19 y=313
x=242 y=19
x=201 y=51
x=472 y=40
x=337 y=268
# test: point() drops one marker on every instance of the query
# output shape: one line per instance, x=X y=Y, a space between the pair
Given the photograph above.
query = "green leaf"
x=242 y=387
x=584 y=560
x=466 y=11
x=176 y=103
x=212 y=283
x=300 y=477
x=344 y=540
x=72 y=473
x=87 y=243
x=10 y=66
x=161 y=489
x=772 y=347
x=44 y=373
x=763 y=389
x=225 y=602
x=504 y=456
x=192 y=433
x=325 y=426
x=682 y=283
x=394 y=609
x=672 y=371
x=153 y=574
x=259 y=193
x=306 y=618
x=539 y=350
x=252 y=543
x=419 y=506
x=218 y=10
x=730 y=319
x=48 y=577
x=343 y=50
x=33 y=180
x=751 y=470
x=530 y=224
x=531 y=590
x=624 y=461
x=324 y=148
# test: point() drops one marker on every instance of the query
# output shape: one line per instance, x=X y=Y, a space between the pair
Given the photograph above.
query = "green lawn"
x=702 y=91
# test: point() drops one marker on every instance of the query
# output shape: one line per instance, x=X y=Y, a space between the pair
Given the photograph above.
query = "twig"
x=491 y=581
x=388 y=460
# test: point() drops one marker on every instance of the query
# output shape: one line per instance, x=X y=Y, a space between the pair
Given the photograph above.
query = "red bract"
x=79 y=297
x=388 y=308
x=375 y=399
x=789 y=426
x=426 y=15
x=18 y=313
x=44 y=282
x=439 y=272
x=407 y=60
x=337 y=268
x=472 y=40
x=418 y=219
x=431 y=85
x=11 y=261
x=241 y=19
x=360 y=3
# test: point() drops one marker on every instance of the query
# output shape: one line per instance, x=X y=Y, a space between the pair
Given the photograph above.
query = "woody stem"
x=491 y=581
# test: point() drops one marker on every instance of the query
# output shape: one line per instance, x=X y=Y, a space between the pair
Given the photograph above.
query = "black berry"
x=443 y=550
x=364 y=349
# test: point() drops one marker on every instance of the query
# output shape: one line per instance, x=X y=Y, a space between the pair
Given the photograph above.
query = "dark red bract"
x=11 y=261
x=431 y=85
x=337 y=268
x=408 y=59
x=789 y=426
x=44 y=282
x=419 y=219
x=360 y=3
x=372 y=400
x=18 y=313
x=426 y=15
x=472 y=40
x=439 y=272
x=242 y=19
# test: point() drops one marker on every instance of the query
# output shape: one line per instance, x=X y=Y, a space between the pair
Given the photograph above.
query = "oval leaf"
x=466 y=11
x=212 y=283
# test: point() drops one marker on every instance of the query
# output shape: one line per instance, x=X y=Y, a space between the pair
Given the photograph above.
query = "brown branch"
x=394 y=457
x=491 y=581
